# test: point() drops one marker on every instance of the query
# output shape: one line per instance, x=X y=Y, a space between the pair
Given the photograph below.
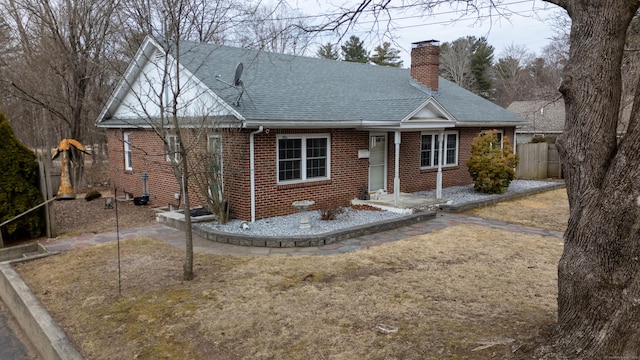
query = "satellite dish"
x=236 y=78
x=237 y=83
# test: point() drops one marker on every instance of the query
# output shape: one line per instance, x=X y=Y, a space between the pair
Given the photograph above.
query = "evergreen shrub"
x=18 y=186
x=492 y=167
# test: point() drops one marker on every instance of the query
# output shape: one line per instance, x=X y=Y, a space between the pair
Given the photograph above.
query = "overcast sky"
x=525 y=23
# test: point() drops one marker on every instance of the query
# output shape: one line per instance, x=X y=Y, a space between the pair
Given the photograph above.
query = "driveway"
x=11 y=339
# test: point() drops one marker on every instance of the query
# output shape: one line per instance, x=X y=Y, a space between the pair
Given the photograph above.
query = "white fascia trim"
x=144 y=53
x=414 y=126
x=430 y=100
x=538 y=132
x=484 y=124
x=417 y=125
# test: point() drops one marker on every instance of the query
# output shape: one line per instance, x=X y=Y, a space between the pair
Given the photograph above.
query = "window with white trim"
x=174 y=148
x=429 y=149
x=499 y=135
x=128 y=156
x=214 y=148
x=214 y=156
x=303 y=157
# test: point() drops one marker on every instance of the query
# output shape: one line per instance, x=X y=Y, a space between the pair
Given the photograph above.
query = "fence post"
x=45 y=188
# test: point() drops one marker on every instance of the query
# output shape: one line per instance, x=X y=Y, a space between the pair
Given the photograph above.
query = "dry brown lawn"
x=548 y=210
x=465 y=292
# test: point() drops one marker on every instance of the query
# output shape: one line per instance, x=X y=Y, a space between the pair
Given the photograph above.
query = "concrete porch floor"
x=407 y=202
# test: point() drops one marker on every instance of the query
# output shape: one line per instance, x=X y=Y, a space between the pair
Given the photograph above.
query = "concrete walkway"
x=176 y=237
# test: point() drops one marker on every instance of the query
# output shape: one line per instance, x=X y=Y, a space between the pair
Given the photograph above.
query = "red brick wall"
x=348 y=172
x=148 y=156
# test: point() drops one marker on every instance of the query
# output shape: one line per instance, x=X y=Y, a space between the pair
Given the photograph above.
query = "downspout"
x=515 y=144
x=396 y=177
x=252 y=171
x=439 y=176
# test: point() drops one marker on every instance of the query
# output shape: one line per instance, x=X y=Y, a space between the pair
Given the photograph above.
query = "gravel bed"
x=464 y=194
x=288 y=225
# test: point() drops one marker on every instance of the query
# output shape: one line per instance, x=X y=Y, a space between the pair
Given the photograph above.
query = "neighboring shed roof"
x=543 y=116
x=289 y=88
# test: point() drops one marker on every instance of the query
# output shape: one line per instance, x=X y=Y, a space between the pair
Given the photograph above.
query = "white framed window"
x=174 y=148
x=499 y=135
x=429 y=149
x=214 y=145
x=128 y=156
x=214 y=148
x=303 y=157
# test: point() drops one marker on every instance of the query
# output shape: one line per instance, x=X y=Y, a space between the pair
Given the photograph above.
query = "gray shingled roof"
x=302 y=89
x=542 y=116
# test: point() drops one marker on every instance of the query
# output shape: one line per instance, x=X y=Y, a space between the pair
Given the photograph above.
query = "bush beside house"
x=18 y=186
x=492 y=164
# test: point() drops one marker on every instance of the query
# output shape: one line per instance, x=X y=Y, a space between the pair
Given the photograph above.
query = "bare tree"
x=62 y=49
x=599 y=272
x=276 y=29
x=203 y=21
x=455 y=62
x=520 y=75
x=175 y=107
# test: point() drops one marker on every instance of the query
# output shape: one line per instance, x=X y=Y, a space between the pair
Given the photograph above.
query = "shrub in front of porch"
x=492 y=165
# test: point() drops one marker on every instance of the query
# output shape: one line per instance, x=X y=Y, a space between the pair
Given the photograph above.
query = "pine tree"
x=18 y=186
x=328 y=51
x=385 y=55
x=353 y=50
x=481 y=62
x=467 y=61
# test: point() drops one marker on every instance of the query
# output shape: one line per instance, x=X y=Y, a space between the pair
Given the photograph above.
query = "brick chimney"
x=425 y=62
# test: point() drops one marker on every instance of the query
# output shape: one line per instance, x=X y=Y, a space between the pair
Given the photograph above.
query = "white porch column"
x=396 y=177
x=439 y=176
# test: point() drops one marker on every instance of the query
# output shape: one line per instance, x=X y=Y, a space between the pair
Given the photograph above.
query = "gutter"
x=252 y=170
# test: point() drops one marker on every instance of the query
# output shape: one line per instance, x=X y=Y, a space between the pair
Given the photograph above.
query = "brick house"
x=294 y=128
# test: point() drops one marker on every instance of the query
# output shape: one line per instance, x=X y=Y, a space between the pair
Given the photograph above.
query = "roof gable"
x=139 y=97
x=430 y=115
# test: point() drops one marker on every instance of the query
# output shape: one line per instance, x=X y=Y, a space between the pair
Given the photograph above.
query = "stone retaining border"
x=43 y=332
x=302 y=240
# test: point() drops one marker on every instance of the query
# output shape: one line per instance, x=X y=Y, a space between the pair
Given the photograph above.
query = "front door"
x=377 y=162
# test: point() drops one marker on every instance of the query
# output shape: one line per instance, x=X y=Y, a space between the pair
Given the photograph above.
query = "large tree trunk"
x=599 y=272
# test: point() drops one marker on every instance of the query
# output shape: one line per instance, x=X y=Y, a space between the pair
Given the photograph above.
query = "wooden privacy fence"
x=538 y=161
